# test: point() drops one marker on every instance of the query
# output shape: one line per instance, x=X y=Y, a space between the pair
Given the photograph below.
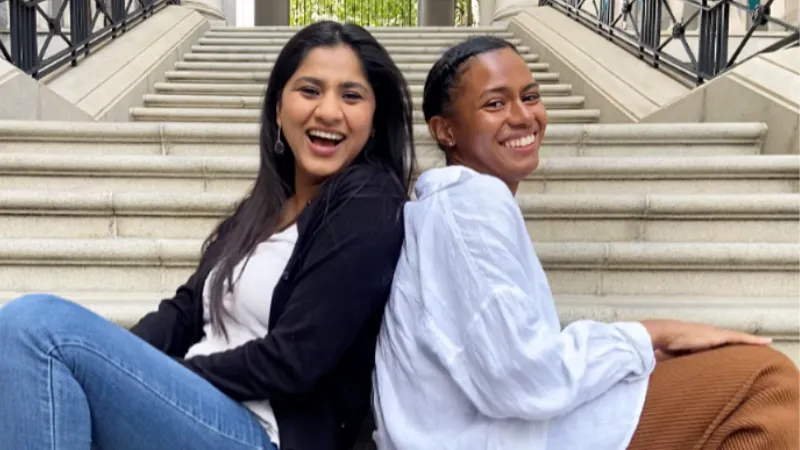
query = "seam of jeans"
x=51 y=401
x=154 y=391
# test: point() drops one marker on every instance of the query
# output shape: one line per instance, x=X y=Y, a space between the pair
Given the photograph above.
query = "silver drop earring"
x=279 y=142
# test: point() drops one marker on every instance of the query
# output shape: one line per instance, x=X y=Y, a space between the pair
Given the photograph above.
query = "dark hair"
x=446 y=71
x=390 y=149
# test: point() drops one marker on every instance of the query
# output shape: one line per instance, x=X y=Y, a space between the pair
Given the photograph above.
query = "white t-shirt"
x=248 y=309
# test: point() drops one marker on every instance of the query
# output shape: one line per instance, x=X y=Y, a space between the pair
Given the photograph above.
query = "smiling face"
x=496 y=121
x=325 y=112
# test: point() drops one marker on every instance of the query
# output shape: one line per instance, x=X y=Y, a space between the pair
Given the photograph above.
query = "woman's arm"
x=513 y=360
x=346 y=278
x=177 y=324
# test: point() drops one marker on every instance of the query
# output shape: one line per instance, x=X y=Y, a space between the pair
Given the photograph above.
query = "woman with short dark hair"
x=471 y=354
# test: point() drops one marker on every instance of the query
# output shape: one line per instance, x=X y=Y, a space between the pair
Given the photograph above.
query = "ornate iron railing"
x=80 y=24
x=640 y=27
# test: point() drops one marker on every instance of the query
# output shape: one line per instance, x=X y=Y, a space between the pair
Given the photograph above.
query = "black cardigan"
x=315 y=364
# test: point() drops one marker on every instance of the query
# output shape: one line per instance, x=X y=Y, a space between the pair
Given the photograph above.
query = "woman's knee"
x=767 y=364
x=765 y=356
x=33 y=311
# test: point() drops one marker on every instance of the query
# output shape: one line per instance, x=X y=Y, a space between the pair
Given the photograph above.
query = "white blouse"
x=248 y=309
x=471 y=354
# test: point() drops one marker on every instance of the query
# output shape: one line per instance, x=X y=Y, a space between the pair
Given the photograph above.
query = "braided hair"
x=447 y=70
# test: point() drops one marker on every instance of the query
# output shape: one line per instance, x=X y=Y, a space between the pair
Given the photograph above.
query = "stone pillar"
x=271 y=12
x=486 y=10
x=440 y=13
x=505 y=10
x=209 y=8
x=229 y=8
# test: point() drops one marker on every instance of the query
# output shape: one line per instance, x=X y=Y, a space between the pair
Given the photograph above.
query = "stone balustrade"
x=216 y=9
x=490 y=10
x=740 y=20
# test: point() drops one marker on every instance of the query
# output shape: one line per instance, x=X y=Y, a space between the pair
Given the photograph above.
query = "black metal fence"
x=375 y=13
x=370 y=13
x=80 y=24
x=638 y=27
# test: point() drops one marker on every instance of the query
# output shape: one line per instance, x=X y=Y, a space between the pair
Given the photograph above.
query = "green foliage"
x=371 y=13
x=465 y=13
x=368 y=13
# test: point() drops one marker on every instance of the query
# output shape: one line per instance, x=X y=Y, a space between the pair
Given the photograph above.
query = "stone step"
x=380 y=35
x=550 y=218
x=245 y=102
x=417 y=41
x=599 y=140
x=208 y=76
x=259 y=88
x=575 y=268
x=229 y=56
x=376 y=31
x=217 y=66
x=767 y=316
x=75 y=172
x=217 y=115
x=409 y=48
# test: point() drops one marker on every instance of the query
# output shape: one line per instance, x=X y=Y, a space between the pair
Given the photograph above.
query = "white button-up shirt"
x=471 y=354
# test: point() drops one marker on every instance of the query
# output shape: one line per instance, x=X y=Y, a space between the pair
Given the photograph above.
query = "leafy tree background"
x=371 y=13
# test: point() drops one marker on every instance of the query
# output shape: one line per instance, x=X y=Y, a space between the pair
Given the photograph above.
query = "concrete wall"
x=113 y=79
x=24 y=98
x=764 y=89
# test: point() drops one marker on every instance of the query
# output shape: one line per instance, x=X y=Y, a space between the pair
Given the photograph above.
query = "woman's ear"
x=278 y=114
x=441 y=131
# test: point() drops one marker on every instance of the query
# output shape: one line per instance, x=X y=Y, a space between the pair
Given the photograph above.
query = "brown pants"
x=732 y=398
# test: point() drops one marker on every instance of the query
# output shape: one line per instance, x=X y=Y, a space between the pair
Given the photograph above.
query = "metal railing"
x=371 y=13
x=79 y=24
x=697 y=48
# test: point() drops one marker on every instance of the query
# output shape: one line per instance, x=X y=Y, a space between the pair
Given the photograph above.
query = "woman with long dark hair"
x=270 y=343
x=472 y=355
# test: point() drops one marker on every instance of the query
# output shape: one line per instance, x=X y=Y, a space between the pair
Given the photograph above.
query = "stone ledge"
x=613 y=80
x=579 y=135
x=636 y=256
x=395 y=32
x=773 y=317
x=766 y=87
x=114 y=78
x=656 y=167
x=253 y=115
x=768 y=316
x=413 y=31
x=24 y=98
x=643 y=206
x=418 y=40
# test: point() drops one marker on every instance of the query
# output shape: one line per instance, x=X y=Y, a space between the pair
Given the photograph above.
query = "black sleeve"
x=345 y=278
x=177 y=324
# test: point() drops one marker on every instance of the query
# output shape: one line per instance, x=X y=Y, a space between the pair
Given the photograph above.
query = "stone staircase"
x=631 y=221
x=223 y=78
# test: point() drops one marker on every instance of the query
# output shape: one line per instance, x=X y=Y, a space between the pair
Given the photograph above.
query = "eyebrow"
x=501 y=89
x=343 y=85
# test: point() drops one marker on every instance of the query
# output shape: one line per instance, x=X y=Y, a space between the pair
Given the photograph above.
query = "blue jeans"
x=72 y=380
